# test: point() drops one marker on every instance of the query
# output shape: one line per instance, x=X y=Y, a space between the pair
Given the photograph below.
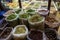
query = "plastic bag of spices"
x=23 y=18
x=51 y=34
x=36 y=35
x=42 y=11
x=52 y=21
x=20 y=32
x=12 y=20
x=36 y=22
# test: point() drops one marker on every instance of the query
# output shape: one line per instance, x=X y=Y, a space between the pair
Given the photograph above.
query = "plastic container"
x=36 y=35
x=20 y=36
x=12 y=21
x=6 y=34
x=38 y=24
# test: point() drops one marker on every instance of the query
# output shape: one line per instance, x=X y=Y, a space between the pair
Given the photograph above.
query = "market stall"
x=30 y=20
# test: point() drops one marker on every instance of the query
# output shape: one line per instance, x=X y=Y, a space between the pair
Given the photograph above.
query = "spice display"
x=30 y=20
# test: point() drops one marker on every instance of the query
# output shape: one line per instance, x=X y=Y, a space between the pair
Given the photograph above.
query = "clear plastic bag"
x=20 y=36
